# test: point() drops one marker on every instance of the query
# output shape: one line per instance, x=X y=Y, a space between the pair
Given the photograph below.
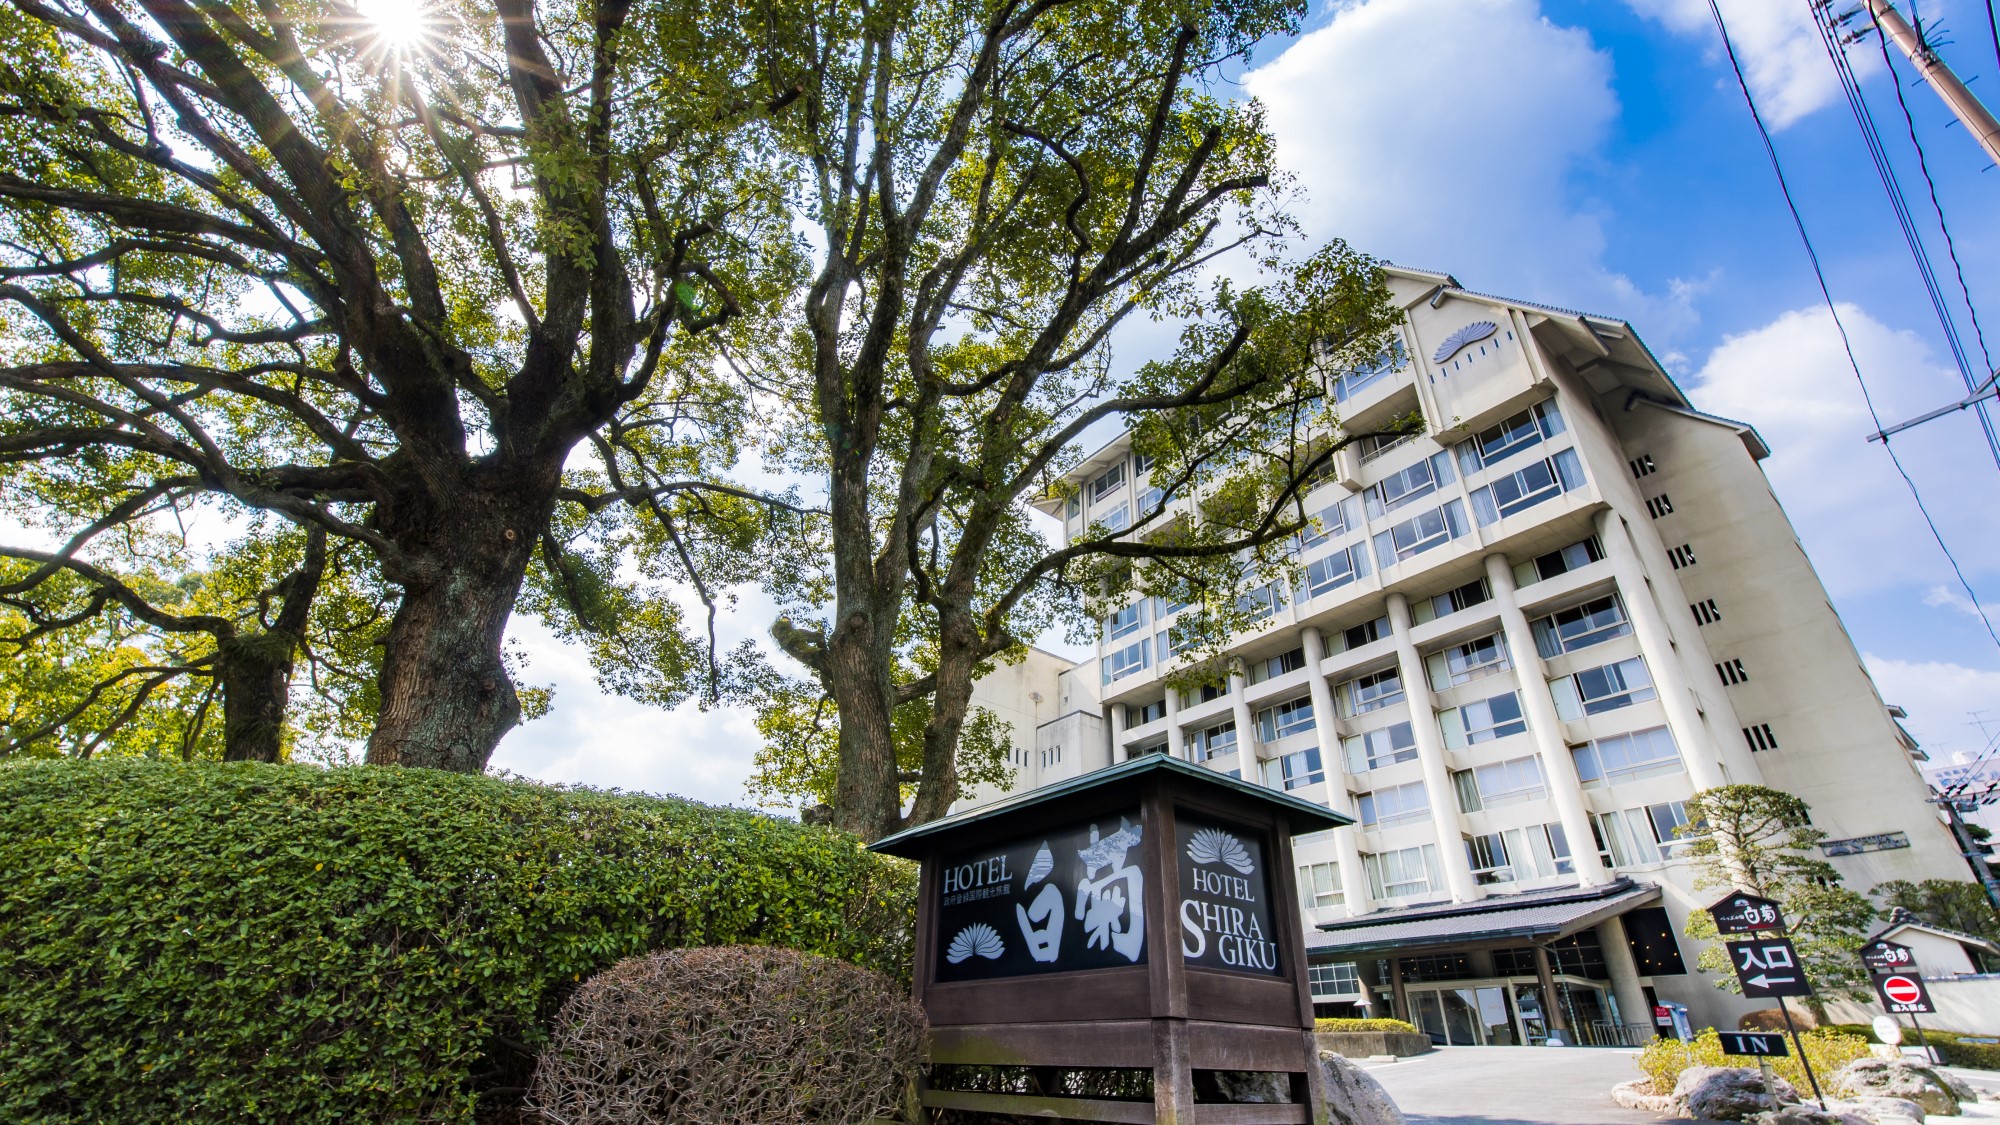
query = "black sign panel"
x=1743 y=913
x=1904 y=993
x=1888 y=957
x=1768 y=967
x=1066 y=899
x=1761 y=1043
x=1225 y=910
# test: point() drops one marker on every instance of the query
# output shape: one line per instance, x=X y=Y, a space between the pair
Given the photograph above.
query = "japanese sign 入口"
x=1225 y=910
x=1070 y=898
x=1768 y=967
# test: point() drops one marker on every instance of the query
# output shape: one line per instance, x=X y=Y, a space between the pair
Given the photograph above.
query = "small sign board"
x=1768 y=967
x=1072 y=897
x=1743 y=913
x=1888 y=957
x=1763 y=1044
x=1904 y=993
x=1855 y=845
x=1225 y=909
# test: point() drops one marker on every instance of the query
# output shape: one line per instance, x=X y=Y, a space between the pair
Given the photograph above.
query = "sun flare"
x=398 y=26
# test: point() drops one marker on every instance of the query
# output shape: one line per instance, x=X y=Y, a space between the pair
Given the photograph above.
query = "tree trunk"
x=256 y=674
x=866 y=799
x=446 y=696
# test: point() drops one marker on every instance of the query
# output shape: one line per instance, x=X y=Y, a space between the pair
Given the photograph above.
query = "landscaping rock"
x=1808 y=1115
x=1353 y=1097
x=1882 y=1111
x=1726 y=1093
x=1897 y=1078
x=1638 y=1094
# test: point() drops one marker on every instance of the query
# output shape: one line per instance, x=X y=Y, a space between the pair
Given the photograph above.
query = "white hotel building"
x=1527 y=636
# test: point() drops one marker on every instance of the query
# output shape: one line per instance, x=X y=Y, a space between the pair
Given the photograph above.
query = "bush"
x=724 y=1036
x=1829 y=1048
x=1364 y=1025
x=245 y=942
x=1951 y=1045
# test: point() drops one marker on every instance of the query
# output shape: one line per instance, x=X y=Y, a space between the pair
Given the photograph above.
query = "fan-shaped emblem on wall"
x=978 y=938
x=1213 y=846
x=1039 y=870
x=1470 y=334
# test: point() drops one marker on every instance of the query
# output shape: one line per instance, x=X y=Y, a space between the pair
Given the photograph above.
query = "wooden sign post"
x=1124 y=947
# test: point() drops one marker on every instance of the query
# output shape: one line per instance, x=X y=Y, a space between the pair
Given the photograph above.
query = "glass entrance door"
x=1534 y=1022
x=1496 y=1020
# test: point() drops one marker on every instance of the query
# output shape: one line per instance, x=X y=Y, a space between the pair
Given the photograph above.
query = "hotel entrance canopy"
x=1533 y=917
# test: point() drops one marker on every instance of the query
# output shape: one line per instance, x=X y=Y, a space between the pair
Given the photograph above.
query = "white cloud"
x=1782 y=56
x=1944 y=597
x=1442 y=133
x=1791 y=380
x=1941 y=699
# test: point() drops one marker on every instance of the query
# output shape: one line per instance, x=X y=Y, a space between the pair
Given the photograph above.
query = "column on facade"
x=1119 y=716
x=1624 y=971
x=1430 y=756
x=1663 y=659
x=1249 y=766
x=1558 y=767
x=1346 y=841
x=1176 y=738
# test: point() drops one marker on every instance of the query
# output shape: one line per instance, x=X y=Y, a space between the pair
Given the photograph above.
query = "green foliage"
x=1329 y=1024
x=1954 y=904
x=1762 y=841
x=1829 y=1049
x=1951 y=1045
x=244 y=942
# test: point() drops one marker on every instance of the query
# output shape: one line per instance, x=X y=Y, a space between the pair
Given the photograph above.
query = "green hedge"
x=1332 y=1024
x=242 y=942
x=1950 y=1045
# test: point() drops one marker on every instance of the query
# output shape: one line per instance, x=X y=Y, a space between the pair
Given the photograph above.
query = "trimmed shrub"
x=247 y=942
x=1951 y=1045
x=730 y=1035
x=1829 y=1049
x=1330 y=1024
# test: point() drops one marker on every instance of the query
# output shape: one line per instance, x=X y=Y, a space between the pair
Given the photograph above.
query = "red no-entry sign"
x=1903 y=992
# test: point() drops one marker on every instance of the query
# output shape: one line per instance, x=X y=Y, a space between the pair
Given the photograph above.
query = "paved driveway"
x=1513 y=1086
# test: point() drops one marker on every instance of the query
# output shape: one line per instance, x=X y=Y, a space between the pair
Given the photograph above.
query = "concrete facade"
x=1525 y=638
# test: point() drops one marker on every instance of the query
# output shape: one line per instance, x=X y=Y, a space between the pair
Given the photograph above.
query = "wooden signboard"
x=1118 y=948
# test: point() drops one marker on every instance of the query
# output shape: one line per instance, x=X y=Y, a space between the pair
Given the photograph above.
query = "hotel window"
x=1126 y=661
x=1213 y=742
x=1470 y=661
x=1394 y=743
x=1627 y=757
x=1523 y=431
x=1411 y=871
x=1418 y=534
x=1394 y=805
x=1449 y=602
x=1325 y=575
x=1760 y=737
x=1278 y=665
x=1259 y=603
x=1294 y=716
x=1348 y=383
x=1154 y=498
x=1371 y=692
x=1375 y=445
x=1294 y=771
x=1607 y=687
x=1141 y=465
x=1366 y=633
x=1073 y=507
x=1110 y=481
x=1661 y=505
x=1705 y=611
x=1141 y=714
x=1483 y=721
x=1580 y=626
x=1165 y=607
x=1320 y=884
x=1118 y=518
x=1640 y=835
x=1177 y=639
x=1195 y=696
x=1573 y=557
x=1335 y=520
x=1407 y=485
x=1341 y=979
x=1538 y=851
x=1528 y=486
x=1125 y=621
x=1499 y=784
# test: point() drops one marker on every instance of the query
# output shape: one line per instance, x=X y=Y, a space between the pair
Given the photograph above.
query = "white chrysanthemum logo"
x=1212 y=845
x=1470 y=334
x=978 y=938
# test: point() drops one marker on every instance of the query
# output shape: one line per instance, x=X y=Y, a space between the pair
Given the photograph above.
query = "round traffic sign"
x=1902 y=990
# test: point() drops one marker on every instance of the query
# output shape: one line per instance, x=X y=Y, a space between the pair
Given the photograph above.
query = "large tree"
x=274 y=256
x=995 y=189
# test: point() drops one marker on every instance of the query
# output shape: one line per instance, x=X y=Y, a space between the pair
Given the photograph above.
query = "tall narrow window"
x=1643 y=466
x=1659 y=506
x=1682 y=556
x=1705 y=612
x=1732 y=672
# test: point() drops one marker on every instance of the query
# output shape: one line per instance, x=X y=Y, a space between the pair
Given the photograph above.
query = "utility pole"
x=1974 y=116
x=1969 y=848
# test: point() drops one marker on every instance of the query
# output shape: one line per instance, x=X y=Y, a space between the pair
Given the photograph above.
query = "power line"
x=1826 y=294
x=1878 y=153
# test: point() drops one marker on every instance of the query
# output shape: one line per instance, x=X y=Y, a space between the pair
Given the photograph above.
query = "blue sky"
x=1596 y=154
